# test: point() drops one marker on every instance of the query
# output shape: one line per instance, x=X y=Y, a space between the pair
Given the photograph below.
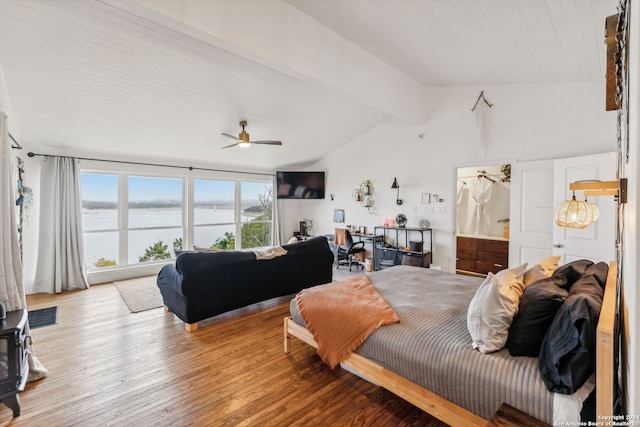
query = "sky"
x=104 y=188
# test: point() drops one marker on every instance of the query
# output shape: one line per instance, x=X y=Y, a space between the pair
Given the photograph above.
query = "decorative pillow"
x=294 y=239
x=567 y=355
x=538 y=306
x=572 y=271
x=541 y=270
x=492 y=309
x=600 y=271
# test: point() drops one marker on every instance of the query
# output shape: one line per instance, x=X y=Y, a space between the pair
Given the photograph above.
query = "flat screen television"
x=300 y=185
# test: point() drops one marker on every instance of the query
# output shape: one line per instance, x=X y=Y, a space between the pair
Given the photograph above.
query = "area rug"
x=43 y=317
x=140 y=294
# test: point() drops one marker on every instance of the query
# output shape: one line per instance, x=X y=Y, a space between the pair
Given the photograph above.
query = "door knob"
x=557 y=245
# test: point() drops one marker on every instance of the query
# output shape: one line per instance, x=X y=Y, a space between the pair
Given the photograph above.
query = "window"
x=257 y=209
x=154 y=217
x=100 y=219
x=214 y=213
x=130 y=219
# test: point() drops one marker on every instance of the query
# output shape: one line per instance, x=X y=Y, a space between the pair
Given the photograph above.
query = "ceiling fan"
x=243 y=138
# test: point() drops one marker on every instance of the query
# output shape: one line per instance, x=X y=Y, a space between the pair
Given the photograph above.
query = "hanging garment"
x=459 y=196
x=480 y=190
x=481 y=113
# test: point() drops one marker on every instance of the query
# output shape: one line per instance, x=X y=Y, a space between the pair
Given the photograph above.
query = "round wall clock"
x=401 y=220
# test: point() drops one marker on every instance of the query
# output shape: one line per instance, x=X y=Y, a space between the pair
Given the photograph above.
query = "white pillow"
x=493 y=308
x=541 y=270
x=294 y=239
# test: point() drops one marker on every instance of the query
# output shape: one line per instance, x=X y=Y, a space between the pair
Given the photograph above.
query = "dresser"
x=481 y=255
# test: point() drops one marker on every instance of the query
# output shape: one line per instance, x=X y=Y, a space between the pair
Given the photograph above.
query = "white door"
x=597 y=241
x=531 y=212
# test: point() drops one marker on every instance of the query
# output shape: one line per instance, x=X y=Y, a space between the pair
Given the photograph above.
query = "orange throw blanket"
x=341 y=315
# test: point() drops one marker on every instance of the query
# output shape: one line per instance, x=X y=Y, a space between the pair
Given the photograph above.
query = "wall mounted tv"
x=300 y=185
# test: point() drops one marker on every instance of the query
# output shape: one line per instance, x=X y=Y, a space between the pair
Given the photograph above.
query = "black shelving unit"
x=411 y=246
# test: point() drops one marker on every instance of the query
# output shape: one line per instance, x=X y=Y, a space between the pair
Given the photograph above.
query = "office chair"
x=347 y=249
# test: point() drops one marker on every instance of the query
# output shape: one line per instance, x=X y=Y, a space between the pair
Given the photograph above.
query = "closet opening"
x=482 y=219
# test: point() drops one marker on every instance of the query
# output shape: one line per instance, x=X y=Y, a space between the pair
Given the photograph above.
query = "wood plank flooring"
x=110 y=367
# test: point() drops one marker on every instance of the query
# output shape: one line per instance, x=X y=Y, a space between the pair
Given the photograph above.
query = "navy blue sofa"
x=204 y=284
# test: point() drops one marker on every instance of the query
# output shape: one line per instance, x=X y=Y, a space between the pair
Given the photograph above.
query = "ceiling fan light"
x=244 y=144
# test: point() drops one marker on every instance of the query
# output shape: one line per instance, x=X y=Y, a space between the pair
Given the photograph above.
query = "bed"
x=435 y=321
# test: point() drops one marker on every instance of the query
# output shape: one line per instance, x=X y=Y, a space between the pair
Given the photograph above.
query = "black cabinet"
x=14 y=367
x=402 y=246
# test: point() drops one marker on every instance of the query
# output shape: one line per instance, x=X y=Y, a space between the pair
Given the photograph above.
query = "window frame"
x=187 y=212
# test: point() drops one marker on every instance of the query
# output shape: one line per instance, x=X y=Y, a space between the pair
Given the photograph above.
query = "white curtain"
x=61 y=260
x=275 y=214
x=11 y=283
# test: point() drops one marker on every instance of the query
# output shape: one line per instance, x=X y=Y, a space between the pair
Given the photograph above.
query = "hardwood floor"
x=110 y=367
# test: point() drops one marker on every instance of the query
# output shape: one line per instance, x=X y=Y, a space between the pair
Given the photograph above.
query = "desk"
x=367 y=238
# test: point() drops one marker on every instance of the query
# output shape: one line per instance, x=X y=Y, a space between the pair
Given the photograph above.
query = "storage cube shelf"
x=397 y=245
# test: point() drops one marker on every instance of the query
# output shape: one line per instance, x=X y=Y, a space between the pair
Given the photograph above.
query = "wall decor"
x=338 y=215
x=426 y=198
x=424 y=223
x=364 y=195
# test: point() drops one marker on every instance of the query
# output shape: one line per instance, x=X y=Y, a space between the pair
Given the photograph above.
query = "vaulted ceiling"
x=161 y=79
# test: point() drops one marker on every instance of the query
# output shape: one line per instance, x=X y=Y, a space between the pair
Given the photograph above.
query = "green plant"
x=177 y=245
x=258 y=232
x=226 y=242
x=27 y=193
x=156 y=251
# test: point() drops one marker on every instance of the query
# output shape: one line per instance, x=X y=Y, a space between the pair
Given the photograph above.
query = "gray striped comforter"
x=432 y=347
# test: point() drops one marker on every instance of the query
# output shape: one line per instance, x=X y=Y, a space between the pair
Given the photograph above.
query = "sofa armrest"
x=170 y=279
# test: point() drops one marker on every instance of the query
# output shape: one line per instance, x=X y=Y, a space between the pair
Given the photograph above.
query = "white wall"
x=526 y=123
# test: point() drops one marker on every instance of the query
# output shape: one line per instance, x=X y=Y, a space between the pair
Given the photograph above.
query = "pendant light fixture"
x=574 y=213
x=579 y=214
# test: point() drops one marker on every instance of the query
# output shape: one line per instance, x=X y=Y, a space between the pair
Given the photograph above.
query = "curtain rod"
x=15 y=143
x=31 y=154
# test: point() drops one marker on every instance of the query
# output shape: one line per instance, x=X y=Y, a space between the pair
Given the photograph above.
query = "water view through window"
x=130 y=219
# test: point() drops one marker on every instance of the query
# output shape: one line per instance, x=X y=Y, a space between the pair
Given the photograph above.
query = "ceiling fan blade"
x=229 y=146
x=267 y=142
x=230 y=136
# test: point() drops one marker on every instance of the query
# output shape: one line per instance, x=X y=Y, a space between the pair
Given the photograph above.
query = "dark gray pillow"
x=567 y=355
x=538 y=306
x=600 y=271
x=572 y=271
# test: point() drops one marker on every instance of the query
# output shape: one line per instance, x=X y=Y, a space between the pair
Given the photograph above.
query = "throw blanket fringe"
x=270 y=253
x=341 y=315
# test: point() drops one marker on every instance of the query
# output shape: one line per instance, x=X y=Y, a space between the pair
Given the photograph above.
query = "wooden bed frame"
x=453 y=414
